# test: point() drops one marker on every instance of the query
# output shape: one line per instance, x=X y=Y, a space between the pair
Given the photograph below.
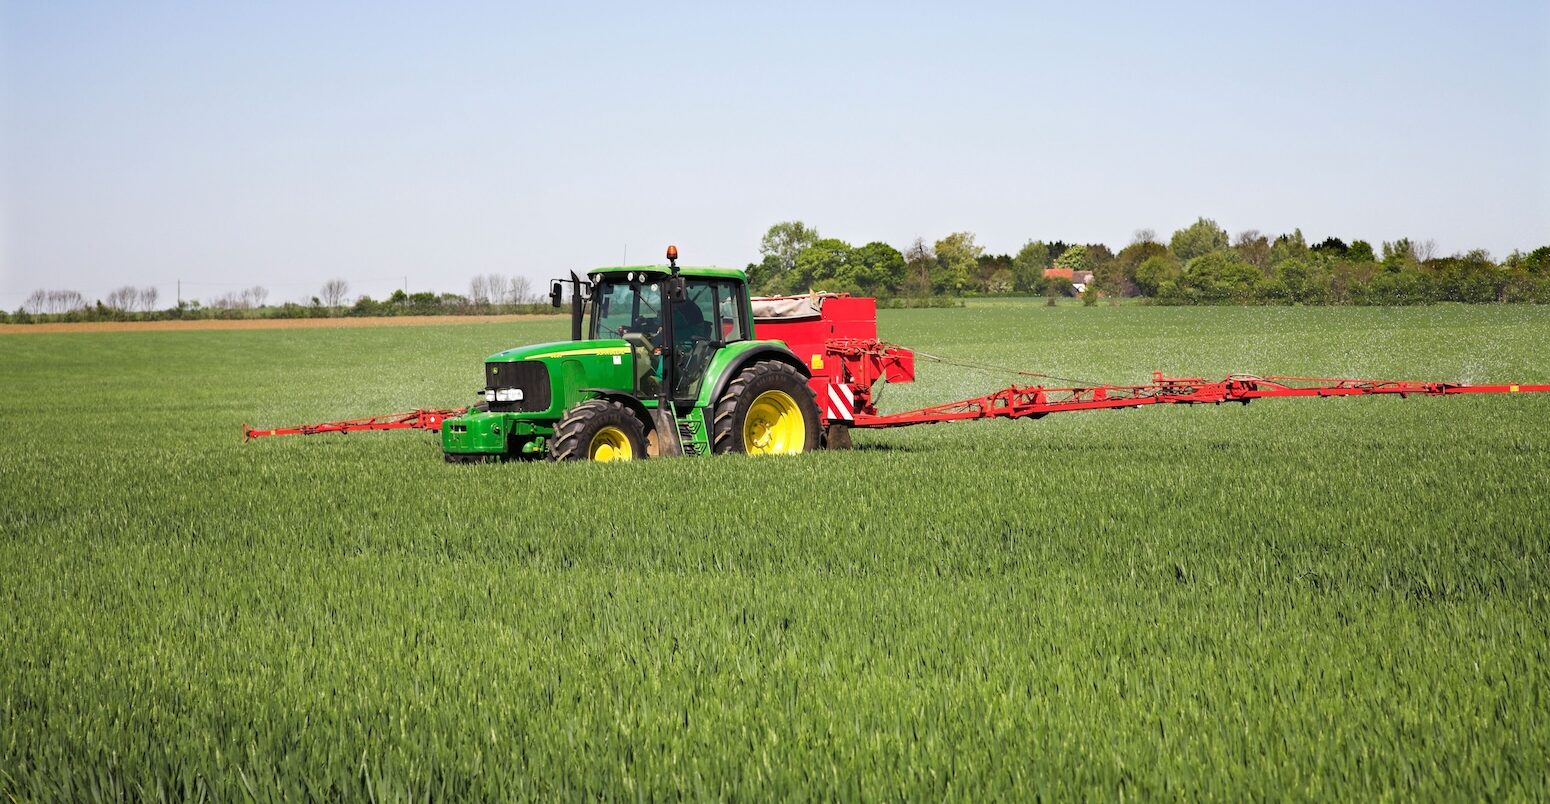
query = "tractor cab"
x=711 y=311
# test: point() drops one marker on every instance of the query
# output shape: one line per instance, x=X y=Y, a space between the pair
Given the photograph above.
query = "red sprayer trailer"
x=749 y=380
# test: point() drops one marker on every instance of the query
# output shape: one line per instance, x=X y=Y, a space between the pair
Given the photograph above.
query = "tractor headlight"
x=508 y=395
x=489 y=396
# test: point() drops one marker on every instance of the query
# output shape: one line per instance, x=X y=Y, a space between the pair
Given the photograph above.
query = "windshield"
x=621 y=308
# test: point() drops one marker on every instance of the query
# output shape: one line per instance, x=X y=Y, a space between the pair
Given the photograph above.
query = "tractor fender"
x=766 y=351
x=629 y=401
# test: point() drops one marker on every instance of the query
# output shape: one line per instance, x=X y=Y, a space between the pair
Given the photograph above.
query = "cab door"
x=711 y=317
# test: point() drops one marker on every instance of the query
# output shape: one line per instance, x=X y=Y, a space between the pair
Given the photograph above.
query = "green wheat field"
x=1308 y=599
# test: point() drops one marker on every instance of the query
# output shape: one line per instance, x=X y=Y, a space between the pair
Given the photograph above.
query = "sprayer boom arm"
x=1017 y=402
x=421 y=419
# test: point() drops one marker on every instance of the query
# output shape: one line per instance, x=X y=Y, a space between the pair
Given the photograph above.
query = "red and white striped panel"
x=839 y=403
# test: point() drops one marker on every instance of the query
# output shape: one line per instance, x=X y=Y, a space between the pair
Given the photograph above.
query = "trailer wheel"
x=598 y=430
x=768 y=409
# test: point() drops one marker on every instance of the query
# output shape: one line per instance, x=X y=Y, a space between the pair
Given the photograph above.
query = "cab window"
x=730 y=322
x=712 y=311
x=693 y=319
x=620 y=309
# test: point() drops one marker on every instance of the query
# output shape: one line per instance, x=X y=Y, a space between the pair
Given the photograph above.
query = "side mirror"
x=556 y=292
x=676 y=290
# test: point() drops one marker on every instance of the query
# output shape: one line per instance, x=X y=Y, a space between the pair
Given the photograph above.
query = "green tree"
x=1105 y=267
x=1534 y=263
x=1028 y=266
x=1468 y=277
x=919 y=265
x=1076 y=258
x=1360 y=251
x=1156 y=271
x=877 y=268
x=1201 y=237
x=1109 y=277
x=365 y=306
x=1253 y=247
x=985 y=270
x=1399 y=255
x=1305 y=281
x=1129 y=260
x=1333 y=246
x=778 y=251
x=1219 y=276
x=957 y=255
x=1347 y=278
x=1402 y=286
x=1288 y=247
x=824 y=265
x=1518 y=286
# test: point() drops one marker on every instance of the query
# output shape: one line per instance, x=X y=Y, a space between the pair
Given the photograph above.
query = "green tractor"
x=661 y=361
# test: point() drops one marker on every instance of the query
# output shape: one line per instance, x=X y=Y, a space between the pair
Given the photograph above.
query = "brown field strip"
x=267 y=323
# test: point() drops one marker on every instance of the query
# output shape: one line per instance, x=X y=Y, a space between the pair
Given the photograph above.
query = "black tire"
x=576 y=438
x=754 y=381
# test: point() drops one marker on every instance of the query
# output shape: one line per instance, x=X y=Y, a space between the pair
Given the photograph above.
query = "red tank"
x=835 y=335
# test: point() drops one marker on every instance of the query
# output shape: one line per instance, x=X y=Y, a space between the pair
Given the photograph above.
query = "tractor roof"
x=703 y=272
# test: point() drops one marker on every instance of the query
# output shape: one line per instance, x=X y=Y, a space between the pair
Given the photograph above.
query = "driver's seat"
x=689 y=323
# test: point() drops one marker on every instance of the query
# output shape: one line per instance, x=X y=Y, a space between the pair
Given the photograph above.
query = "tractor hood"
x=562 y=349
x=541 y=381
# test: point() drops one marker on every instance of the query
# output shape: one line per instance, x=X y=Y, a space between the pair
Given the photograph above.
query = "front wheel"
x=768 y=409
x=598 y=430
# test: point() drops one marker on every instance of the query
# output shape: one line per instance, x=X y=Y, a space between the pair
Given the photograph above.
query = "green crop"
x=1312 y=599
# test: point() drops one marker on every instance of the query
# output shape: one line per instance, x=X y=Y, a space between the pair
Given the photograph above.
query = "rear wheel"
x=598 y=430
x=768 y=409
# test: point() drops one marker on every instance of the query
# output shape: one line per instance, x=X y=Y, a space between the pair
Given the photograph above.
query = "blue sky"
x=282 y=144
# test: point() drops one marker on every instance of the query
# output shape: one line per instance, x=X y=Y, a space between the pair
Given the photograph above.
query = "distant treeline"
x=489 y=294
x=1199 y=264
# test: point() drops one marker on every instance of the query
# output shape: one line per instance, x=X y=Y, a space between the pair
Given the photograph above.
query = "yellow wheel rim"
x=610 y=444
x=774 y=425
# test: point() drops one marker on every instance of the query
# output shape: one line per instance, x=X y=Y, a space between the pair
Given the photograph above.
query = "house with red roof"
x=1078 y=279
